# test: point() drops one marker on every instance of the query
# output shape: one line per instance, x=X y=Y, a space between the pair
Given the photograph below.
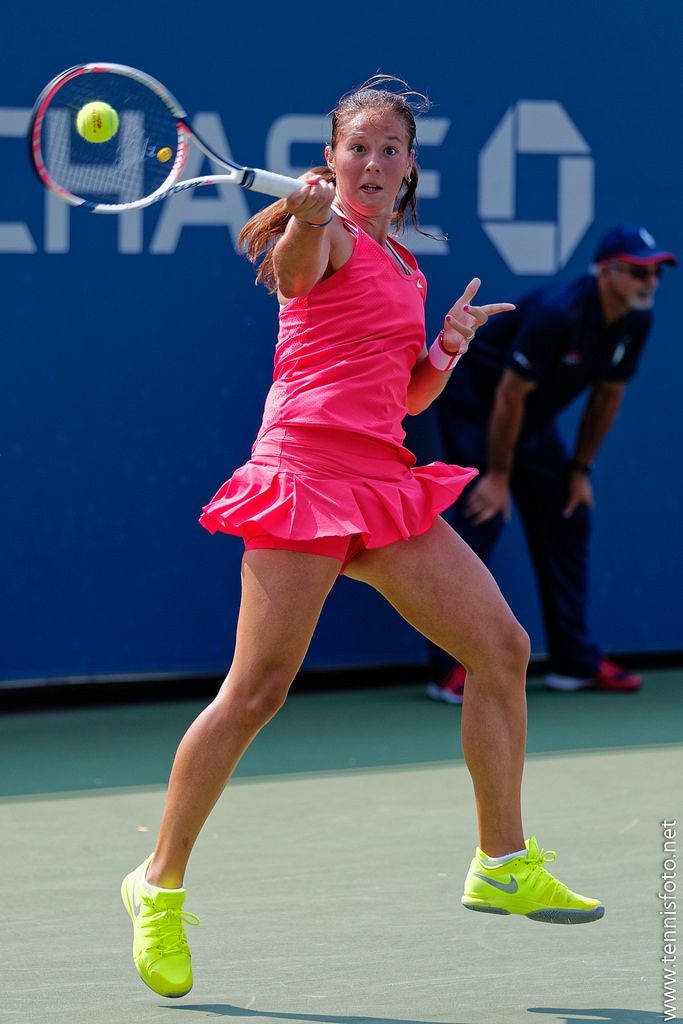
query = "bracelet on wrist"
x=581 y=467
x=312 y=224
x=440 y=357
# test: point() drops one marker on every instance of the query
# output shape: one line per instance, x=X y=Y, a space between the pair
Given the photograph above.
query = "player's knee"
x=269 y=694
x=518 y=647
x=261 y=694
x=507 y=654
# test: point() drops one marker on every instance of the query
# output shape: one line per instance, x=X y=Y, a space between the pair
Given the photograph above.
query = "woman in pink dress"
x=330 y=488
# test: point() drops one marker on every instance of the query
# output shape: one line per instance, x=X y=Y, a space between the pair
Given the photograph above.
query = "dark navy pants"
x=558 y=546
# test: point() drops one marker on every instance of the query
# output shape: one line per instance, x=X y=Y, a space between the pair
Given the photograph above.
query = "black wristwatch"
x=581 y=467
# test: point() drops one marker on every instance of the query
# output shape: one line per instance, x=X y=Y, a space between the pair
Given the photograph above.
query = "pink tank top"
x=346 y=350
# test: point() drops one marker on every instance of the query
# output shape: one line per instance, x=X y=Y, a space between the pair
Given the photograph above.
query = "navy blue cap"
x=631 y=244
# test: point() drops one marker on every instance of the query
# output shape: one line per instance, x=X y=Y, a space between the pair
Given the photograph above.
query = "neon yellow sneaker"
x=523 y=886
x=160 y=951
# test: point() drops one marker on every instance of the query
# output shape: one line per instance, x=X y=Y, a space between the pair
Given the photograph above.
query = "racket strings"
x=139 y=158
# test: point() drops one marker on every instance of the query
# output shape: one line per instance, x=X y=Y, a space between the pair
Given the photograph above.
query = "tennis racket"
x=143 y=161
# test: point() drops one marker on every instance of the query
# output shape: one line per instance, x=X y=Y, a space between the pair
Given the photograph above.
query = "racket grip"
x=271 y=184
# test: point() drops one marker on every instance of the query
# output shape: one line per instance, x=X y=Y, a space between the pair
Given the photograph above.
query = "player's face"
x=635 y=285
x=371 y=159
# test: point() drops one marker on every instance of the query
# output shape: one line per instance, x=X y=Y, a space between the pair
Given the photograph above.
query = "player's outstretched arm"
x=301 y=256
x=431 y=372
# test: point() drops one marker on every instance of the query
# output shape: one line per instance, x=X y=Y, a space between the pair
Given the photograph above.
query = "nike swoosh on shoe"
x=509 y=887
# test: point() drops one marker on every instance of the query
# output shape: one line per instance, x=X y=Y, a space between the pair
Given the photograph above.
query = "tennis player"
x=330 y=488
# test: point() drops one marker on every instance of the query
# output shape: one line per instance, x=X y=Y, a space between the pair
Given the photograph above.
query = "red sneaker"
x=450 y=688
x=610 y=677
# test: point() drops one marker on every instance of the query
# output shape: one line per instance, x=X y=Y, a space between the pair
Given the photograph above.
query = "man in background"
x=498 y=413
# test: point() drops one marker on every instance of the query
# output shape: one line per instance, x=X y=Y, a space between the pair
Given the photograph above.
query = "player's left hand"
x=580 y=493
x=463 y=320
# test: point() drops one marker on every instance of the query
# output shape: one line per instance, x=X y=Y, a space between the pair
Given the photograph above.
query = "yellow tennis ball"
x=164 y=155
x=97 y=122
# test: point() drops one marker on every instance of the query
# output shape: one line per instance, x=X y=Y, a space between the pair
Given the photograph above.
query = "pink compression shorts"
x=342 y=548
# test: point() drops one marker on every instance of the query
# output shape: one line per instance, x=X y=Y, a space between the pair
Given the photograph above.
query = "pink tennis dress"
x=329 y=459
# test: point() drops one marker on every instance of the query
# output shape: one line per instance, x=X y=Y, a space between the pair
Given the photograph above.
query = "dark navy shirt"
x=558 y=338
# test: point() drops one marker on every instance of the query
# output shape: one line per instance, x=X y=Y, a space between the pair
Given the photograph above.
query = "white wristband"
x=439 y=357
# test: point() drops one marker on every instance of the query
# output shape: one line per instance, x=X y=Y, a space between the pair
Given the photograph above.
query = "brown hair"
x=259 y=234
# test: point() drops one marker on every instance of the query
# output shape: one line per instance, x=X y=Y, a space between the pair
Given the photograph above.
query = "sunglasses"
x=639 y=273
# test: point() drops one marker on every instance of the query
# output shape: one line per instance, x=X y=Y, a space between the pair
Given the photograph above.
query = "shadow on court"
x=226 y=1010
x=601 y=1015
x=560 y=1015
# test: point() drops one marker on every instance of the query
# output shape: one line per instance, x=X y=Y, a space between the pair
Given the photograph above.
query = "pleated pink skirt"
x=305 y=482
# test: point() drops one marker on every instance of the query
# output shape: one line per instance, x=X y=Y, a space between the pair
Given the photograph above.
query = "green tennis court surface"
x=328 y=878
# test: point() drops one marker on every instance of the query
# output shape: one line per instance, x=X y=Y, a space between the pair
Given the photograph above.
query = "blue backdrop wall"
x=136 y=352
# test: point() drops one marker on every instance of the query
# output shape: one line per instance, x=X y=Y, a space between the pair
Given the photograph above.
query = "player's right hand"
x=490 y=497
x=312 y=201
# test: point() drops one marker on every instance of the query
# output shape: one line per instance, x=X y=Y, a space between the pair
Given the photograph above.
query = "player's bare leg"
x=282 y=595
x=439 y=585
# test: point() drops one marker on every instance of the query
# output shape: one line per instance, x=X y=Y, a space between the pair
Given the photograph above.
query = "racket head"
x=143 y=159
